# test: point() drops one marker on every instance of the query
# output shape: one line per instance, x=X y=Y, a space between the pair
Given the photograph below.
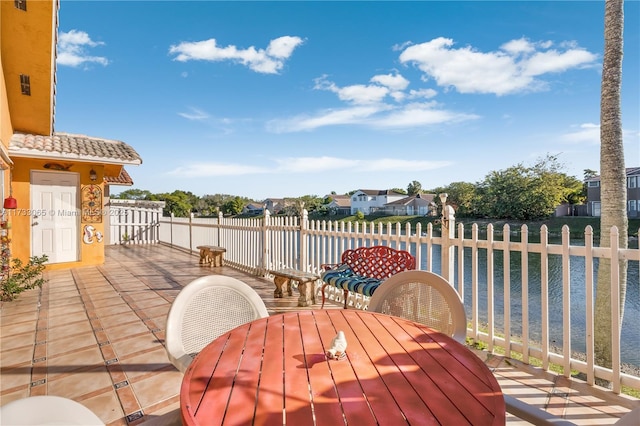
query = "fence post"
x=448 y=235
x=303 y=256
x=190 y=232
x=220 y=217
x=171 y=230
x=266 y=242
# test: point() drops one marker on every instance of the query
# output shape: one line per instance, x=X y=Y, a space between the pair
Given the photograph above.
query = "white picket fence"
x=498 y=317
x=133 y=221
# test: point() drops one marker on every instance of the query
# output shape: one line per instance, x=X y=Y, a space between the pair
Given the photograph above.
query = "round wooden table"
x=273 y=371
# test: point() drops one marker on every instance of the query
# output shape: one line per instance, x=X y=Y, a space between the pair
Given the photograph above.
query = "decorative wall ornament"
x=58 y=166
x=91 y=204
x=89 y=235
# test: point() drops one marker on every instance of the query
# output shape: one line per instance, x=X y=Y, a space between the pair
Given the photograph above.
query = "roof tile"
x=67 y=145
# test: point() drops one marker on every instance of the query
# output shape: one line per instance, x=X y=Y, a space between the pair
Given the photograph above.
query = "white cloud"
x=307 y=165
x=216 y=169
x=269 y=61
x=313 y=164
x=331 y=117
x=359 y=94
x=72 y=49
x=511 y=69
x=420 y=114
x=587 y=132
x=422 y=93
x=319 y=164
x=392 y=81
x=195 y=114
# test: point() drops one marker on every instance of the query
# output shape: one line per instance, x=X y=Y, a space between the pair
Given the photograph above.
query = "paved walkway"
x=95 y=335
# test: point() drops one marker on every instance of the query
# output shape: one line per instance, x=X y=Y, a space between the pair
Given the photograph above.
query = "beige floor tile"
x=19 y=317
x=62 y=331
x=116 y=308
x=19 y=340
x=127 y=330
x=158 y=311
x=14 y=377
x=109 y=300
x=136 y=366
x=15 y=357
x=76 y=385
x=151 y=302
x=7 y=329
x=13 y=396
x=65 y=319
x=90 y=357
x=73 y=343
x=106 y=406
x=158 y=387
x=120 y=319
x=134 y=345
x=167 y=416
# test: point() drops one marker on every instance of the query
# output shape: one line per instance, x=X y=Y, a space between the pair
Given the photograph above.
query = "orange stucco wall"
x=21 y=218
x=27 y=48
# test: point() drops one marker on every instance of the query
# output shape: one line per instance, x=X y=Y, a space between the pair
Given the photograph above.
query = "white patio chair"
x=205 y=309
x=47 y=410
x=422 y=297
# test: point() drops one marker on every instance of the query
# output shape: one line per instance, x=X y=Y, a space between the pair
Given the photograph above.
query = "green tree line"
x=519 y=192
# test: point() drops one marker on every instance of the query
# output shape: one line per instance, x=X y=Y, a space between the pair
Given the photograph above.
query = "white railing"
x=535 y=315
x=133 y=221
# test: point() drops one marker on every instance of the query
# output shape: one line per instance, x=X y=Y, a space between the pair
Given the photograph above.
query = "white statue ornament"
x=338 y=349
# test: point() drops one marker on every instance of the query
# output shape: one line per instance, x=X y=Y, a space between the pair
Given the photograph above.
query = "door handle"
x=34 y=223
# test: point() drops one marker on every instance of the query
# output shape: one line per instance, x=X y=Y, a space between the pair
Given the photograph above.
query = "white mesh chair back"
x=205 y=309
x=47 y=410
x=422 y=297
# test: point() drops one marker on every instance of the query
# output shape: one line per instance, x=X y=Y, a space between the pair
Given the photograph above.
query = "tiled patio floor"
x=95 y=334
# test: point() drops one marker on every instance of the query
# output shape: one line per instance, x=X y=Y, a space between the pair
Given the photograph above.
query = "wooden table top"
x=273 y=371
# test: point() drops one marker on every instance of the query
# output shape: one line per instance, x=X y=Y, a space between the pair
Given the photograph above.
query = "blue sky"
x=284 y=99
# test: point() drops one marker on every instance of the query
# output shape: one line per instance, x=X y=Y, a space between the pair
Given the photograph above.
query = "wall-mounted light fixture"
x=93 y=175
x=443 y=200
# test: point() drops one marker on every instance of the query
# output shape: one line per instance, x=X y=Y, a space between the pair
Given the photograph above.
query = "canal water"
x=630 y=333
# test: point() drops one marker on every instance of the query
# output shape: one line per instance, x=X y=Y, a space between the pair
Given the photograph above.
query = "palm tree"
x=612 y=178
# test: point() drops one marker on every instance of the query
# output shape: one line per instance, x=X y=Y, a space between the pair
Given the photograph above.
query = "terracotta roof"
x=122 y=179
x=71 y=146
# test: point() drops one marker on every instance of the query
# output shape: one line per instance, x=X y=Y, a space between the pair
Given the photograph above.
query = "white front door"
x=54 y=215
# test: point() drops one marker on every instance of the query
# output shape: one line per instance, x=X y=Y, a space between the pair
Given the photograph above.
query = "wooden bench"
x=211 y=255
x=363 y=269
x=285 y=278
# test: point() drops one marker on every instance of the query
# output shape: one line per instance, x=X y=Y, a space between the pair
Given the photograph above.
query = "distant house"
x=413 y=205
x=253 y=209
x=370 y=200
x=339 y=205
x=274 y=205
x=633 y=193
